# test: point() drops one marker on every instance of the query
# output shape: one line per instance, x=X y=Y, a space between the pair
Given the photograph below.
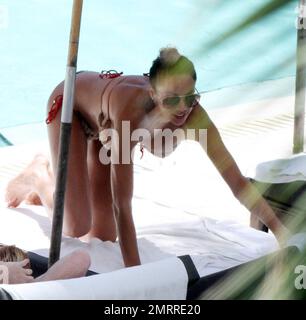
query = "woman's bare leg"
x=74 y=265
x=36 y=183
x=77 y=218
x=34 y=179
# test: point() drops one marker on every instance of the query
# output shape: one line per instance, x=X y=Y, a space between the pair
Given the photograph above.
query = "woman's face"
x=173 y=95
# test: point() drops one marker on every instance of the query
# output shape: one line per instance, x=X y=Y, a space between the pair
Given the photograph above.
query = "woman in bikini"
x=98 y=194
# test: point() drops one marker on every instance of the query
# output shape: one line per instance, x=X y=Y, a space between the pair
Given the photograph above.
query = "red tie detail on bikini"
x=56 y=105
x=58 y=101
x=109 y=74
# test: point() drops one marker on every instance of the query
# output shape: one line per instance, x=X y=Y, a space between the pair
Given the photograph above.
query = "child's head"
x=12 y=253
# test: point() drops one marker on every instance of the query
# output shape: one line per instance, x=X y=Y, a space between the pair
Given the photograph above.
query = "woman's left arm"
x=242 y=189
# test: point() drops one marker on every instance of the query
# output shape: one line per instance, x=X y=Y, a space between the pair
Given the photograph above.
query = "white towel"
x=162 y=233
x=282 y=170
x=175 y=206
x=166 y=279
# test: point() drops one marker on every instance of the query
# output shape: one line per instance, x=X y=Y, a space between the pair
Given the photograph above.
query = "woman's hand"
x=15 y=272
x=298 y=240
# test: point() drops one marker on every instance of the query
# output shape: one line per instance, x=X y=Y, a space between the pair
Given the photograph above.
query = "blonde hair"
x=12 y=254
x=169 y=55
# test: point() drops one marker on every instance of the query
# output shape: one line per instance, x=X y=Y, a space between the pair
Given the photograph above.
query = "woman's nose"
x=181 y=106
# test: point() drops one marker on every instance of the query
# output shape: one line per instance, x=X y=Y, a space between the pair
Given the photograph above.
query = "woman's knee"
x=77 y=229
x=81 y=258
x=81 y=261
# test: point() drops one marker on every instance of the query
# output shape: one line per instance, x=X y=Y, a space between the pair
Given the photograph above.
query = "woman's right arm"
x=122 y=193
x=242 y=189
x=122 y=189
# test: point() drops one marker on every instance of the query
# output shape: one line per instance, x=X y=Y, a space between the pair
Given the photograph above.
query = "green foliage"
x=271 y=8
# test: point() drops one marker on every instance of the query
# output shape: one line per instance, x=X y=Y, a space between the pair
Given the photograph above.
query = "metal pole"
x=300 y=80
x=65 y=131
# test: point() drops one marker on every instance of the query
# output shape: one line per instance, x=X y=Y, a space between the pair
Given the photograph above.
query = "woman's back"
x=96 y=96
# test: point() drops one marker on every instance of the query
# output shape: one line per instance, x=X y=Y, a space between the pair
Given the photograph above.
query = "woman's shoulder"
x=130 y=98
x=198 y=119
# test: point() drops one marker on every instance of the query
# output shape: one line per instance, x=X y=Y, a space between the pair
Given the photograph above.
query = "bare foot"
x=24 y=186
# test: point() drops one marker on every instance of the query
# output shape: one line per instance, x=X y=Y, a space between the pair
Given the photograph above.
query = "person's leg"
x=38 y=178
x=77 y=218
x=35 y=180
x=103 y=225
x=74 y=265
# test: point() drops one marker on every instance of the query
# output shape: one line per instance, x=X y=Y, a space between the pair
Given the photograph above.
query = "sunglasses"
x=190 y=100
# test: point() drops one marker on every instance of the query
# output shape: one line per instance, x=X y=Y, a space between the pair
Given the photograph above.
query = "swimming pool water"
x=126 y=35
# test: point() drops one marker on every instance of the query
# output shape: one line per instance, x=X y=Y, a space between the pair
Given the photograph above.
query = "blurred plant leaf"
x=267 y=10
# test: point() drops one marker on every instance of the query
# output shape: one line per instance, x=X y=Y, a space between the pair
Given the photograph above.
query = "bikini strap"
x=58 y=101
x=110 y=74
x=105 y=97
x=56 y=105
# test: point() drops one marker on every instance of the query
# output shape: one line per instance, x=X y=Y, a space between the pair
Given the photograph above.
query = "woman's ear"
x=152 y=93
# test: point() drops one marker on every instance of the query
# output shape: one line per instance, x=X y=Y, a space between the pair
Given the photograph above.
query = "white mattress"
x=180 y=206
x=283 y=170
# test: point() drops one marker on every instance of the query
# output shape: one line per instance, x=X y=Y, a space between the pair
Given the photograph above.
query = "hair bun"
x=169 y=56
